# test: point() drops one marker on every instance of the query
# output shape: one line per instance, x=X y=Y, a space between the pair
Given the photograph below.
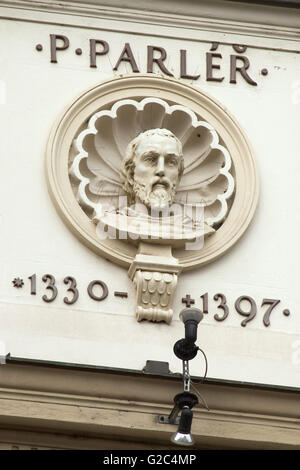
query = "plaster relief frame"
x=103 y=96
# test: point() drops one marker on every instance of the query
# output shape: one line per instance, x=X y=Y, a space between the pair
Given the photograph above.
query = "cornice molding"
x=219 y=18
x=120 y=406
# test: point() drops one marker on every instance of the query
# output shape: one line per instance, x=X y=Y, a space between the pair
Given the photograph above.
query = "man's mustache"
x=163 y=181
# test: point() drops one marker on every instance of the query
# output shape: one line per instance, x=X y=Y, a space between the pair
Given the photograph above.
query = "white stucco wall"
x=263 y=264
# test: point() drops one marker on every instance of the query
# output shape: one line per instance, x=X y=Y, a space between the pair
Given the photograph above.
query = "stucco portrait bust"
x=146 y=170
x=150 y=174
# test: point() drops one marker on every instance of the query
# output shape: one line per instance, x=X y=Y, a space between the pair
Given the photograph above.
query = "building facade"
x=91 y=287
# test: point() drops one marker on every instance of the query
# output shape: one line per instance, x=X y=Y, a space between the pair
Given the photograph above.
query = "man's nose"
x=160 y=169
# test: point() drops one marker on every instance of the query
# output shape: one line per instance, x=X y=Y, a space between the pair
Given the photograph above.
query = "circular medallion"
x=194 y=153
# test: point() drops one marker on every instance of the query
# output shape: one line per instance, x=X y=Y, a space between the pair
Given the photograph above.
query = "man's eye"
x=172 y=162
x=151 y=159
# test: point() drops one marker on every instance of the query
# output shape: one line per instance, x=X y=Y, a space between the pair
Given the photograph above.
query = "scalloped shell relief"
x=98 y=150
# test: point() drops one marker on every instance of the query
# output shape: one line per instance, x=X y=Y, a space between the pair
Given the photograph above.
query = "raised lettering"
x=94 y=52
x=242 y=69
x=127 y=56
x=158 y=60
x=54 y=47
x=183 y=73
x=210 y=66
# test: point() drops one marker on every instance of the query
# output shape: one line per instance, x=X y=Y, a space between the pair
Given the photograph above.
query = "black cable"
x=199 y=395
x=204 y=377
x=206 y=364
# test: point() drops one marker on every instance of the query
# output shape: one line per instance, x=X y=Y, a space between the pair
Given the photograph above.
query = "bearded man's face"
x=156 y=174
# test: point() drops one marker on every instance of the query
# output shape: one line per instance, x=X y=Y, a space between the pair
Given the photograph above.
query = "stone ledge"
x=125 y=407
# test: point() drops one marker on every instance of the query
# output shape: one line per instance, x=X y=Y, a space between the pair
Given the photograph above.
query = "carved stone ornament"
x=154 y=175
x=107 y=150
x=155 y=278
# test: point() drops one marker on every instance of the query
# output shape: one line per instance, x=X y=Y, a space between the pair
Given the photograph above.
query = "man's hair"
x=128 y=163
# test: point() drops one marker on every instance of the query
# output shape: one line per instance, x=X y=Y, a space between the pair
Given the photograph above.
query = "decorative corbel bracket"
x=154 y=272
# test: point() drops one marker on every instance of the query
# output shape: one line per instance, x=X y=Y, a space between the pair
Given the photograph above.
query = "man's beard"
x=154 y=197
